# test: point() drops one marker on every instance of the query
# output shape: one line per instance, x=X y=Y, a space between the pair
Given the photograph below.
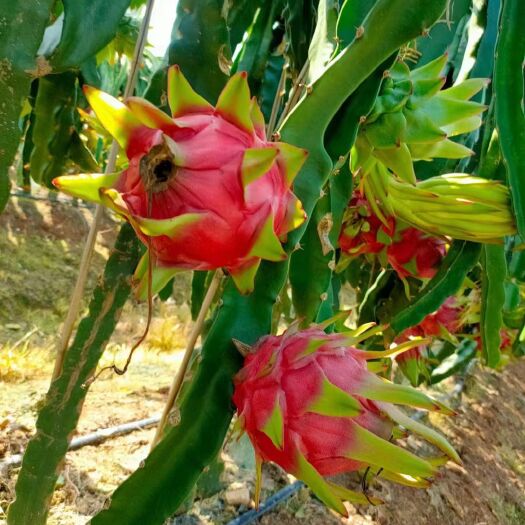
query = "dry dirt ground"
x=489 y=430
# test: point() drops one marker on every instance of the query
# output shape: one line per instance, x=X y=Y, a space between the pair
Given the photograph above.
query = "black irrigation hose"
x=269 y=504
x=95 y=438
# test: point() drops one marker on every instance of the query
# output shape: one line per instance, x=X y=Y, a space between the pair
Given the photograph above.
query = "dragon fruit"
x=415 y=254
x=362 y=232
x=309 y=403
x=445 y=322
x=204 y=189
x=411 y=252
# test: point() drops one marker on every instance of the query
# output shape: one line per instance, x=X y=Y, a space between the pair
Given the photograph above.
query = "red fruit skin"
x=208 y=182
x=416 y=254
x=411 y=252
x=276 y=372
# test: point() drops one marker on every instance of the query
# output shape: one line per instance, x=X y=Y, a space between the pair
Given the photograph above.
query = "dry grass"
x=23 y=359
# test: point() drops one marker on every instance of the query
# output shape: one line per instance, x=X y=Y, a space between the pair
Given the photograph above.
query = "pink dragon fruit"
x=308 y=403
x=411 y=252
x=204 y=189
x=445 y=322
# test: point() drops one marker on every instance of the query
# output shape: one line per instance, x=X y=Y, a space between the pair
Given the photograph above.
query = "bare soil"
x=488 y=431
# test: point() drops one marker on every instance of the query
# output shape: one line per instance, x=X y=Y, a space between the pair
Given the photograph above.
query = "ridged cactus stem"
x=181 y=373
x=59 y=416
x=509 y=95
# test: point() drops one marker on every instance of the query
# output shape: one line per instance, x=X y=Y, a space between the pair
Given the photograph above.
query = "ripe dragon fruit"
x=411 y=252
x=308 y=403
x=444 y=323
x=204 y=189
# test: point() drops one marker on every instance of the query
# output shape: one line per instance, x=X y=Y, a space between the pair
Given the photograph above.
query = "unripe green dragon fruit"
x=309 y=403
x=204 y=189
x=413 y=119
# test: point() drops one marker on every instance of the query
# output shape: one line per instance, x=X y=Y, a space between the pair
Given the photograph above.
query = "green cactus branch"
x=18 y=67
x=58 y=418
x=509 y=92
x=309 y=294
x=96 y=21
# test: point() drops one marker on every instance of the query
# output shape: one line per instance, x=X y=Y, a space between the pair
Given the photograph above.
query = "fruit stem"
x=194 y=335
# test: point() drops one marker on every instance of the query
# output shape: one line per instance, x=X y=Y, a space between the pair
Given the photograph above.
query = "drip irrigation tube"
x=269 y=504
x=95 y=438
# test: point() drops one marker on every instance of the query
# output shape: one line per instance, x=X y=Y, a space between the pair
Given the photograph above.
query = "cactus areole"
x=309 y=403
x=204 y=189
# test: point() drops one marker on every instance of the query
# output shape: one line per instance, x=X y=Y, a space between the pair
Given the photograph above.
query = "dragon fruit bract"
x=308 y=402
x=204 y=189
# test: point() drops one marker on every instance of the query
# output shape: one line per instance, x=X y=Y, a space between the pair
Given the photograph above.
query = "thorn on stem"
x=243 y=348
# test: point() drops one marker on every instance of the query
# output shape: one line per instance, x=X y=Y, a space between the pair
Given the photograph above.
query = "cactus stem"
x=194 y=335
